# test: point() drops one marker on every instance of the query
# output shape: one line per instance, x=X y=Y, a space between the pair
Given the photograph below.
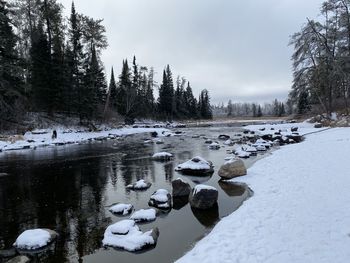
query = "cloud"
x=235 y=49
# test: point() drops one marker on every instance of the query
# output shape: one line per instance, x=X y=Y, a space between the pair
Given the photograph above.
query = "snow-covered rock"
x=139 y=185
x=160 y=199
x=241 y=153
x=203 y=196
x=229 y=142
x=232 y=169
x=126 y=235
x=33 y=239
x=144 y=215
x=196 y=165
x=121 y=209
x=19 y=259
x=214 y=146
x=162 y=156
x=224 y=137
x=180 y=188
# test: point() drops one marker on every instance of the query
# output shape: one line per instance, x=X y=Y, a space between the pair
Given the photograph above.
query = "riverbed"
x=69 y=189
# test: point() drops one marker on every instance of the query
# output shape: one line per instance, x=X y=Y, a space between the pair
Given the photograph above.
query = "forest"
x=52 y=64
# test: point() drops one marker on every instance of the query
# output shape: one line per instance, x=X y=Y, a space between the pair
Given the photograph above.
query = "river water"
x=69 y=188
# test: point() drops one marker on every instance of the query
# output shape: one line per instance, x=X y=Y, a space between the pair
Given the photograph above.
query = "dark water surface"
x=69 y=188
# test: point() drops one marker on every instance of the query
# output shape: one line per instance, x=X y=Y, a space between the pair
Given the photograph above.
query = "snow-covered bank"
x=44 y=138
x=300 y=211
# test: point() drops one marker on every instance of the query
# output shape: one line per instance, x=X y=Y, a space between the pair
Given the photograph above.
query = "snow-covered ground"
x=300 y=211
x=44 y=138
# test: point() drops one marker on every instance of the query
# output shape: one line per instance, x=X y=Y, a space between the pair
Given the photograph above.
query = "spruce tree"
x=166 y=95
x=303 y=103
x=112 y=91
x=11 y=82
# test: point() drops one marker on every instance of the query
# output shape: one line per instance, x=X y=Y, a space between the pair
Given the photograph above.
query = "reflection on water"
x=69 y=188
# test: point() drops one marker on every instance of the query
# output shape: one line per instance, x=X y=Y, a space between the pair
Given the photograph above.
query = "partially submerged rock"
x=224 y=137
x=180 y=188
x=196 y=166
x=121 y=209
x=232 y=169
x=203 y=196
x=126 y=235
x=139 y=185
x=214 y=146
x=33 y=239
x=162 y=156
x=144 y=215
x=160 y=199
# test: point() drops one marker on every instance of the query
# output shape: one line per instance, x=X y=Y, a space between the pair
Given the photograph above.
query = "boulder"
x=180 y=188
x=224 y=137
x=318 y=125
x=203 y=197
x=34 y=239
x=232 y=169
x=160 y=199
x=139 y=185
x=196 y=166
x=162 y=156
x=126 y=235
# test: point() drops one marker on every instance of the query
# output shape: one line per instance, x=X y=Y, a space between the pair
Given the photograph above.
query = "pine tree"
x=229 y=108
x=112 y=91
x=303 y=103
x=40 y=71
x=204 y=105
x=259 y=114
x=11 y=82
x=166 y=95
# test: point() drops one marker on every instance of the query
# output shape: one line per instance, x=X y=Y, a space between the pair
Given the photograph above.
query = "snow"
x=33 y=239
x=162 y=155
x=161 y=195
x=120 y=208
x=70 y=137
x=303 y=128
x=200 y=187
x=139 y=185
x=132 y=241
x=214 y=146
x=144 y=215
x=300 y=210
x=122 y=227
x=241 y=153
x=196 y=163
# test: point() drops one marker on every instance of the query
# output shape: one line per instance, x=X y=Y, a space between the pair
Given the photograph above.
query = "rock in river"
x=180 y=188
x=160 y=199
x=232 y=169
x=126 y=235
x=203 y=196
x=196 y=166
x=139 y=185
x=33 y=239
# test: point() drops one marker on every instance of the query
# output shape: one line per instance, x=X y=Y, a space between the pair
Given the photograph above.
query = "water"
x=69 y=189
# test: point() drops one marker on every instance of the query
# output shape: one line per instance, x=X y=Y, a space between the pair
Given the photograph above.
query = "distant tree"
x=259 y=114
x=204 y=105
x=254 y=110
x=112 y=92
x=166 y=95
x=229 y=108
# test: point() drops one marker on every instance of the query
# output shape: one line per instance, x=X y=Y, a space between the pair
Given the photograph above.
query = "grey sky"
x=236 y=49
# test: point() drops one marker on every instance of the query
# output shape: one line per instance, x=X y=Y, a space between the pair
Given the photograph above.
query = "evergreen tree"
x=40 y=71
x=259 y=114
x=229 y=108
x=112 y=89
x=204 y=105
x=166 y=95
x=254 y=110
x=303 y=103
x=10 y=70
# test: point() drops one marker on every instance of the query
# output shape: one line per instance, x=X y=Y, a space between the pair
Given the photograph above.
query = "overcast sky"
x=237 y=49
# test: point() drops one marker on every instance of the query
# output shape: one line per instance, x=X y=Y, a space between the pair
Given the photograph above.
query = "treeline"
x=321 y=60
x=51 y=63
x=275 y=108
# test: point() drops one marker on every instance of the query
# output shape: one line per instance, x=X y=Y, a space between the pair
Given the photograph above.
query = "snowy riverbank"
x=43 y=138
x=300 y=211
